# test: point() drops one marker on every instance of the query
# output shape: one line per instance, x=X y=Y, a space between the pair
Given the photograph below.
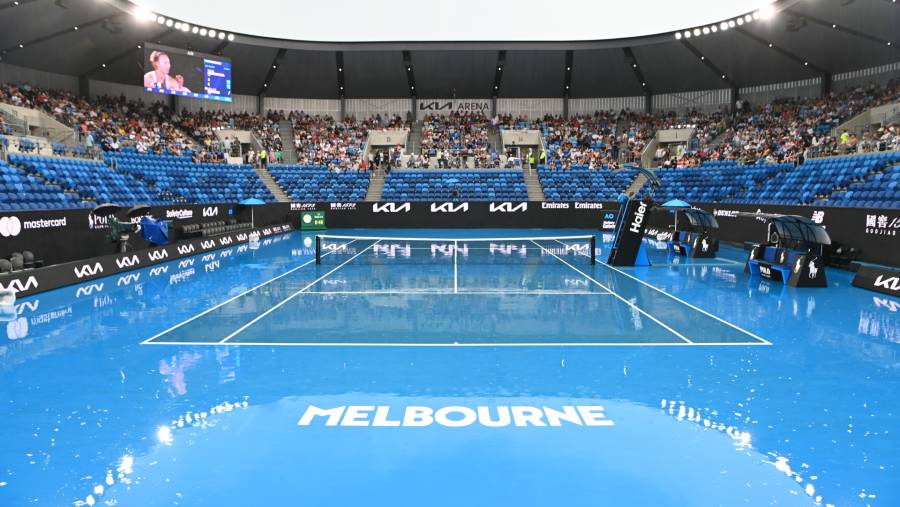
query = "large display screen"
x=186 y=73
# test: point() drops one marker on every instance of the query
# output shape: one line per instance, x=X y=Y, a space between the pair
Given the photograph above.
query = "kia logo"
x=391 y=207
x=508 y=207
x=10 y=226
x=185 y=249
x=449 y=207
x=88 y=270
x=225 y=241
x=242 y=237
x=892 y=283
x=208 y=244
x=17 y=285
x=128 y=262
x=158 y=255
x=211 y=211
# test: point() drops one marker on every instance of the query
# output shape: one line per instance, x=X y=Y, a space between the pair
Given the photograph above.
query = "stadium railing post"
x=593 y=250
x=318 y=249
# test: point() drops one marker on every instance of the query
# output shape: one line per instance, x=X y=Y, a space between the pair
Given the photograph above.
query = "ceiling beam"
x=339 y=60
x=498 y=73
x=632 y=62
x=721 y=74
x=410 y=76
x=567 y=77
x=137 y=46
x=837 y=26
x=221 y=47
x=783 y=52
x=13 y=4
x=273 y=69
x=59 y=33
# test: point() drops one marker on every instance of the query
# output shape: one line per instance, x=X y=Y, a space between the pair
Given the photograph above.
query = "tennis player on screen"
x=159 y=77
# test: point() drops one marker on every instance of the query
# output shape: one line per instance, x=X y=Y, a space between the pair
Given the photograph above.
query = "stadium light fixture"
x=161 y=20
x=677 y=35
x=142 y=14
x=203 y=32
x=195 y=30
x=139 y=46
x=212 y=34
x=696 y=32
x=76 y=28
x=21 y=46
x=740 y=21
x=169 y=23
x=748 y=18
x=771 y=45
x=714 y=29
x=185 y=27
x=230 y=37
x=221 y=35
x=731 y=23
x=756 y=15
x=687 y=34
x=723 y=25
x=705 y=30
x=178 y=25
x=767 y=12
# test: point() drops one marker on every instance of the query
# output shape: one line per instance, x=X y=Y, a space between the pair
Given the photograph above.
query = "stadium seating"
x=724 y=181
x=90 y=179
x=180 y=178
x=583 y=184
x=477 y=185
x=313 y=183
x=21 y=191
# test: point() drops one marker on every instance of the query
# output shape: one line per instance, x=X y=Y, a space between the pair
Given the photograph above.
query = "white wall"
x=363 y=108
x=14 y=74
x=532 y=108
x=880 y=74
x=591 y=106
x=132 y=92
x=766 y=93
x=238 y=104
x=700 y=100
x=324 y=107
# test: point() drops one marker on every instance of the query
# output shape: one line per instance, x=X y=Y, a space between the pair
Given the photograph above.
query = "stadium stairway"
x=496 y=142
x=414 y=140
x=266 y=177
x=533 y=186
x=289 y=153
x=376 y=186
x=636 y=185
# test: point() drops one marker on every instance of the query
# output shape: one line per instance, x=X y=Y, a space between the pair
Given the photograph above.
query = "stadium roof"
x=808 y=39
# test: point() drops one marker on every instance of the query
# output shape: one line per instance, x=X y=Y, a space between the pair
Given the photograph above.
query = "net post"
x=318 y=249
x=593 y=250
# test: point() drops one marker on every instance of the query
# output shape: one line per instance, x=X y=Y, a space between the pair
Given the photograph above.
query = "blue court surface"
x=466 y=369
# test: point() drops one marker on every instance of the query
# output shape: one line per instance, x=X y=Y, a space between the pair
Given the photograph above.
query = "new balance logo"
x=88 y=270
x=128 y=279
x=449 y=207
x=225 y=241
x=207 y=244
x=211 y=211
x=158 y=255
x=391 y=207
x=185 y=249
x=892 y=283
x=90 y=289
x=508 y=207
x=18 y=286
x=128 y=262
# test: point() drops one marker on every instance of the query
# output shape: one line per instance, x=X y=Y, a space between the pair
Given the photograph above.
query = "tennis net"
x=334 y=249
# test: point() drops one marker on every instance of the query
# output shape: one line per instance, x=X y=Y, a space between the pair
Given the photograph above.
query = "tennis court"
x=409 y=362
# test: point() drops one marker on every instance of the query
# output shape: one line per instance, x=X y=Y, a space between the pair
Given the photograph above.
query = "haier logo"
x=892 y=283
x=158 y=255
x=449 y=207
x=391 y=207
x=457 y=416
x=508 y=207
x=10 y=226
x=638 y=218
x=17 y=285
x=207 y=244
x=90 y=289
x=212 y=211
x=225 y=241
x=185 y=249
x=128 y=262
x=88 y=270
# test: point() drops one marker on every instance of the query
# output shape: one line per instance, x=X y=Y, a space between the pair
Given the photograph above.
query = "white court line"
x=678 y=264
x=292 y=296
x=474 y=344
x=462 y=292
x=220 y=305
x=676 y=298
x=455 y=268
x=620 y=298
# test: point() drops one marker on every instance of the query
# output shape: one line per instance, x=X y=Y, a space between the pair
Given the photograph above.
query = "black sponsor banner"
x=876 y=232
x=879 y=279
x=33 y=281
x=630 y=235
x=587 y=215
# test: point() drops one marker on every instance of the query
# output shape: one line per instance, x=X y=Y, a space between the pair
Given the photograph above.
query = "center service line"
x=455 y=269
x=617 y=296
x=292 y=296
